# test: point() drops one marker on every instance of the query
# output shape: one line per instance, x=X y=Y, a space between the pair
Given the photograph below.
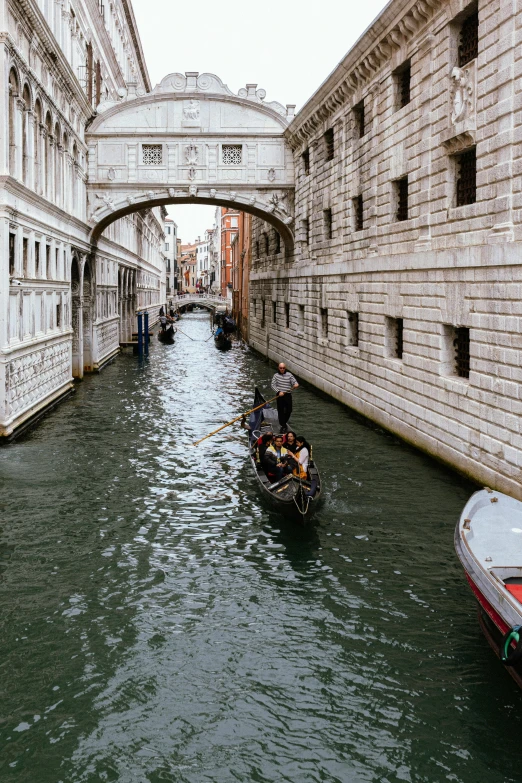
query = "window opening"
x=152 y=154
x=58 y=316
x=25 y=253
x=468 y=40
x=324 y=321
x=461 y=343
x=306 y=231
x=306 y=161
x=467 y=177
x=401 y=187
x=403 y=82
x=37 y=259
x=277 y=242
x=395 y=335
x=267 y=244
x=287 y=314
x=329 y=144
x=232 y=154
x=263 y=312
x=358 y=115
x=12 y=255
x=327 y=217
x=358 y=213
x=353 y=329
x=274 y=312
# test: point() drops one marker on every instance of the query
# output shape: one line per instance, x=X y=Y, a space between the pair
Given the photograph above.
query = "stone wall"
x=383 y=291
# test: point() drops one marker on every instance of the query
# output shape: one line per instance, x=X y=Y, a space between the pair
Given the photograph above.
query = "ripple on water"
x=159 y=624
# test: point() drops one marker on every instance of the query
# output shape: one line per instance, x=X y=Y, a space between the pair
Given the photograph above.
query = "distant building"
x=229 y=227
x=188 y=267
x=241 y=256
x=171 y=253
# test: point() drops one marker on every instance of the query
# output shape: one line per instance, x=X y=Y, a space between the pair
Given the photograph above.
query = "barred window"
x=329 y=146
x=403 y=81
x=358 y=116
x=306 y=161
x=466 y=164
x=287 y=314
x=352 y=325
x=232 y=154
x=468 y=40
x=395 y=337
x=324 y=321
x=358 y=211
x=401 y=191
x=461 y=343
x=152 y=154
x=328 y=222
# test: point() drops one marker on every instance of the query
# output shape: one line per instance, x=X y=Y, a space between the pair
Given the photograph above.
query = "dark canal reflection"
x=159 y=624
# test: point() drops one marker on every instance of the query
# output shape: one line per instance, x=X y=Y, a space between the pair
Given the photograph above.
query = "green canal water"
x=159 y=624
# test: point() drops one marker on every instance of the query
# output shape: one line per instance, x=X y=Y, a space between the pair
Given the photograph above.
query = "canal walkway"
x=159 y=624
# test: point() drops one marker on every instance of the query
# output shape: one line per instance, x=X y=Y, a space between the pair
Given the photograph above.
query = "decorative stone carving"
x=107 y=200
x=192 y=173
x=461 y=94
x=271 y=175
x=172 y=192
x=193 y=191
x=32 y=377
x=191 y=110
x=213 y=193
x=111 y=174
x=192 y=155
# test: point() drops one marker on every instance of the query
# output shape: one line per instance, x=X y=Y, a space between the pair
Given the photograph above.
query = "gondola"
x=293 y=496
x=222 y=342
x=167 y=336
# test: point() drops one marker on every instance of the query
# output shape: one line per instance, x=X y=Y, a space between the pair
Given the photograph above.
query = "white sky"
x=287 y=47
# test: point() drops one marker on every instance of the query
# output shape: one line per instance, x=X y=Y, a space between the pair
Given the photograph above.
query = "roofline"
x=133 y=27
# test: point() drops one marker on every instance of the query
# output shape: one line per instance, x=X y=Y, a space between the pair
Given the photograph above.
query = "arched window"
x=66 y=173
x=49 y=162
x=37 y=147
x=13 y=95
x=267 y=244
x=26 y=163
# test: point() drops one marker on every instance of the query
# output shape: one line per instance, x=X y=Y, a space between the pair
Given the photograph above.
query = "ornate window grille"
x=461 y=344
x=467 y=177
x=232 y=154
x=358 y=209
x=468 y=41
x=152 y=154
x=329 y=145
x=401 y=186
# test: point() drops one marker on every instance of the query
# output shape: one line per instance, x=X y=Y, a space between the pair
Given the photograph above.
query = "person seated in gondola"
x=219 y=332
x=263 y=443
x=290 y=442
x=276 y=459
x=302 y=458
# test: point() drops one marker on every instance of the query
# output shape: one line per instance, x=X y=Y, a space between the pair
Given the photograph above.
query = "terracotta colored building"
x=241 y=258
x=229 y=228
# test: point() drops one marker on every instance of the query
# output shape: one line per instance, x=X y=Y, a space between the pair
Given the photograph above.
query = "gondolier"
x=284 y=383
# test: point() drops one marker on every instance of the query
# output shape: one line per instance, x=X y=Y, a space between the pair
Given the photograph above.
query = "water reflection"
x=159 y=624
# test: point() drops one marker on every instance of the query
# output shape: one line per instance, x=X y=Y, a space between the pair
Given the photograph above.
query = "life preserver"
x=511 y=655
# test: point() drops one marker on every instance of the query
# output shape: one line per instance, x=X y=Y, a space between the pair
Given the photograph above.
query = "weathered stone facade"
x=404 y=296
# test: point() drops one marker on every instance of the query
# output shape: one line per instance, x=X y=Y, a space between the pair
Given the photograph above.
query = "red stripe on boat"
x=516 y=591
x=494 y=615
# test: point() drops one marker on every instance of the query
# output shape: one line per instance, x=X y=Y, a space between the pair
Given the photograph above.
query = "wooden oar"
x=234 y=421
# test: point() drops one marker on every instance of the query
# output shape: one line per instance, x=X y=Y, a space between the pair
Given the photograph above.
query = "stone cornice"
x=98 y=23
x=394 y=28
x=29 y=196
x=133 y=29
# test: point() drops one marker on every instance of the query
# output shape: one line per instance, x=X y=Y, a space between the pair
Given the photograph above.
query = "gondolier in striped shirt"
x=284 y=383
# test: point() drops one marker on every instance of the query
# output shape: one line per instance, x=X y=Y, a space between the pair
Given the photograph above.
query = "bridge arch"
x=191 y=141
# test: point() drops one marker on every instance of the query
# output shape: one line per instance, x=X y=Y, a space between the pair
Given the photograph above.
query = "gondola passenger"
x=302 y=456
x=262 y=444
x=290 y=442
x=276 y=459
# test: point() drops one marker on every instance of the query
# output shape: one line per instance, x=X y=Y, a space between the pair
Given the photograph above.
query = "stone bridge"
x=191 y=140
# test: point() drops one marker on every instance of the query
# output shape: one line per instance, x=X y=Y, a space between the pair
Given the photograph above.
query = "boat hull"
x=490 y=566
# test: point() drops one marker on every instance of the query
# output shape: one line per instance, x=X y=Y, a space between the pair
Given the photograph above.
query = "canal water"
x=159 y=624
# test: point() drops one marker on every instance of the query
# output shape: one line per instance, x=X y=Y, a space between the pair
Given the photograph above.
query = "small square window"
x=152 y=154
x=359 y=120
x=329 y=146
x=466 y=175
x=358 y=213
x=232 y=154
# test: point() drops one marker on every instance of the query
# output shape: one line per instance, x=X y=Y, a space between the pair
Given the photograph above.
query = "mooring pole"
x=146 y=331
x=140 y=335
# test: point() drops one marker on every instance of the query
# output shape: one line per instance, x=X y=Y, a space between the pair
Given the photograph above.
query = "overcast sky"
x=287 y=47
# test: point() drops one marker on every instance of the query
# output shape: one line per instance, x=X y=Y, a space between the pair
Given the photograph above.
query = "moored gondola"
x=291 y=494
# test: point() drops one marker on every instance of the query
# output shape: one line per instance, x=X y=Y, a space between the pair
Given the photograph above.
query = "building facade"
x=171 y=254
x=64 y=304
x=403 y=298
x=241 y=261
x=189 y=268
x=229 y=222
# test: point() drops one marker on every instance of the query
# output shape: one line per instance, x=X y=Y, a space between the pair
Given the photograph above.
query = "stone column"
x=19 y=108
